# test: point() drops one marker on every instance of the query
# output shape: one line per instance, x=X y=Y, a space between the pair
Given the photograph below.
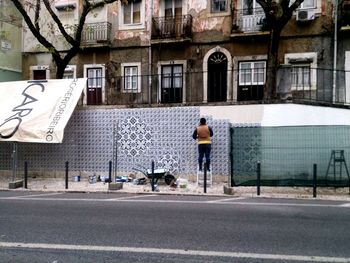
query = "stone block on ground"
x=228 y=190
x=16 y=184
x=115 y=186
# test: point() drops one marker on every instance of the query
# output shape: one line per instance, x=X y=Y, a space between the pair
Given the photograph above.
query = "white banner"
x=37 y=111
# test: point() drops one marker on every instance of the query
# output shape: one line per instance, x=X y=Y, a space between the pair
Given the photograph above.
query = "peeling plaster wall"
x=197 y=6
x=11 y=42
x=138 y=35
x=204 y=20
x=50 y=30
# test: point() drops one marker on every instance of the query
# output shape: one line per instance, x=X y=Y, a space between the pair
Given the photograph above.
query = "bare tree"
x=277 y=16
x=61 y=58
x=8 y=14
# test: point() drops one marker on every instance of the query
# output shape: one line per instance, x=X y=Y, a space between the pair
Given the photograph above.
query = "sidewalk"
x=191 y=188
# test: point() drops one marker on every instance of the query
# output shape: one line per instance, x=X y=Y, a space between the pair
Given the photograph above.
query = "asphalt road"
x=82 y=227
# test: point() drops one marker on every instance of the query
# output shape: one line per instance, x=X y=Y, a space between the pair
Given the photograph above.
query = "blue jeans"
x=204 y=150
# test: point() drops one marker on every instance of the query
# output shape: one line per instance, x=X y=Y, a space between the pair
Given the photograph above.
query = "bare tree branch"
x=295 y=5
x=42 y=40
x=61 y=58
x=37 y=15
x=58 y=22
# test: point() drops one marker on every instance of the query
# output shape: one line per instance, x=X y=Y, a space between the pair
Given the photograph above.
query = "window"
x=218 y=6
x=94 y=93
x=39 y=72
x=94 y=77
x=65 y=5
x=347 y=76
x=70 y=72
x=252 y=73
x=301 y=77
x=251 y=7
x=132 y=12
x=303 y=71
x=131 y=15
x=172 y=83
x=307 y=4
x=131 y=75
x=172 y=76
x=130 y=78
x=68 y=12
x=173 y=8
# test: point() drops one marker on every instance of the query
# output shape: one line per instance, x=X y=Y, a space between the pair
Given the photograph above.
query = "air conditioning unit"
x=305 y=15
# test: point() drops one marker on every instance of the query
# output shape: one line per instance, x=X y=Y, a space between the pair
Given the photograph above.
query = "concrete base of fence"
x=228 y=190
x=16 y=184
x=115 y=186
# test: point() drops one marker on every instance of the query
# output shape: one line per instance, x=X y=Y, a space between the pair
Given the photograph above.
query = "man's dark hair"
x=203 y=121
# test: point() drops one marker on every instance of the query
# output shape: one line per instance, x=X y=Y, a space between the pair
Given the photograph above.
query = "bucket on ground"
x=76 y=178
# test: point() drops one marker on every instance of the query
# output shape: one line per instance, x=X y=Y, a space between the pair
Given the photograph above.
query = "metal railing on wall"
x=172 y=27
x=300 y=84
x=249 y=20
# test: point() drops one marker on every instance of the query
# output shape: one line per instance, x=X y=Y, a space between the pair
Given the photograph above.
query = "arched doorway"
x=217 y=77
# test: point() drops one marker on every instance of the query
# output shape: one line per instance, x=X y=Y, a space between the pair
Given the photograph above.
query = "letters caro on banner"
x=38 y=111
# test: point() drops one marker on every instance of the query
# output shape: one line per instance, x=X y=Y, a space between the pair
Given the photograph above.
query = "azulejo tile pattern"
x=128 y=138
x=133 y=136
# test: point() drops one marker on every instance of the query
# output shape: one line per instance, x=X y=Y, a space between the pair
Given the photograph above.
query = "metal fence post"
x=67 y=175
x=110 y=172
x=205 y=178
x=314 y=181
x=258 y=181
x=25 y=174
x=152 y=181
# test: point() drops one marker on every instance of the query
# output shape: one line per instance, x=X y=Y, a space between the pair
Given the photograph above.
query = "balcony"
x=177 y=28
x=249 y=22
x=96 y=34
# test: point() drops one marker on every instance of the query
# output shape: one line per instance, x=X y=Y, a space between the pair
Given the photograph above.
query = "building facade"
x=11 y=42
x=210 y=56
x=185 y=52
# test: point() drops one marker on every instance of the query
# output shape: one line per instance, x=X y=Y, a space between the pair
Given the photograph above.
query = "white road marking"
x=30 y=196
x=175 y=252
x=131 y=199
x=128 y=197
x=281 y=204
x=227 y=199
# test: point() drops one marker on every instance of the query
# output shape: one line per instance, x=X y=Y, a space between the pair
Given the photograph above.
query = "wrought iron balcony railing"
x=249 y=20
x=96 y=33
x=306 y=84
x=172 y=27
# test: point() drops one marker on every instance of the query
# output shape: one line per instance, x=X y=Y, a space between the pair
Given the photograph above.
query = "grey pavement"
x=187 y=187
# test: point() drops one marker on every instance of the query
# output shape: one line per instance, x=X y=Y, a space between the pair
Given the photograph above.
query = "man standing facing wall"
x=203 y=134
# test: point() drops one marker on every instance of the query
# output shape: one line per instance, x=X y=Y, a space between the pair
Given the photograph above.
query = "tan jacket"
x=203 y=134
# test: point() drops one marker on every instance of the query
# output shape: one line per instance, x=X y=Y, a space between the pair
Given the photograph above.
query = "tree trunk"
x=61 y=63
x=60 y=67
x=272 y=65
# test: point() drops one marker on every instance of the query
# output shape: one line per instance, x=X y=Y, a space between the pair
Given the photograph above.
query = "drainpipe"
x=335 y=7
x=150 y=57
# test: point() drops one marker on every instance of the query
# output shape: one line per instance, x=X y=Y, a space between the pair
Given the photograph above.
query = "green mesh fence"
x=287 y=155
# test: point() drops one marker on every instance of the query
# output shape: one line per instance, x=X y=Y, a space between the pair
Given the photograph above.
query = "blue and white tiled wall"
x=128 y=137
